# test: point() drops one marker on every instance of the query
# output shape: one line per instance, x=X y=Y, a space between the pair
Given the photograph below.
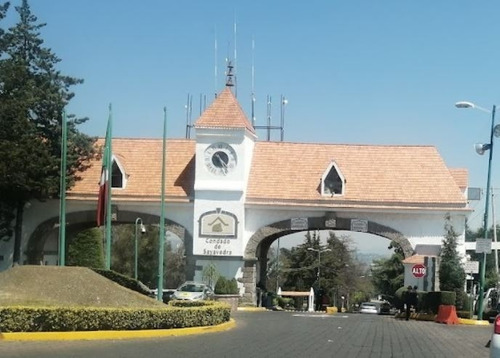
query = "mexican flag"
x=105 y=182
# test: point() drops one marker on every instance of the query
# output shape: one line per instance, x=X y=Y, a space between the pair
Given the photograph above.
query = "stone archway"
x=261 y=240
x=82 y=220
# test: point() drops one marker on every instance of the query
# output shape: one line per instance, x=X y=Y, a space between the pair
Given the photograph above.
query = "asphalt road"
x=285 y=334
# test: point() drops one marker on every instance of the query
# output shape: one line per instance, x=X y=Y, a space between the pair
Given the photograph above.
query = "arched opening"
x=43 y=244
x=258 y=246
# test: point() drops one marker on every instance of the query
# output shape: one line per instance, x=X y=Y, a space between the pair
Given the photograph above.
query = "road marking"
x=319 y=316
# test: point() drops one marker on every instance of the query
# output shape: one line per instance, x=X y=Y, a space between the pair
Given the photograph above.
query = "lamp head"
x=481 y=148
x=143 y=229
x=464 y=104
x=496 y=130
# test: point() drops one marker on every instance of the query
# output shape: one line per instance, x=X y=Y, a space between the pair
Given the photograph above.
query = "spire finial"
x=229 y=74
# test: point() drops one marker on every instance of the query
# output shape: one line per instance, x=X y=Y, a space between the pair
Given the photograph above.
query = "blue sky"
x=358 y=71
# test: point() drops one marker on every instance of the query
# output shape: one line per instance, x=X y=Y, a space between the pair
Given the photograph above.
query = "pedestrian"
x=408 y=300
x=414 y=298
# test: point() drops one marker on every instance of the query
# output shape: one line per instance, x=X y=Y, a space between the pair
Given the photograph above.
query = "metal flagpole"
x=494 y=229
x=109 y=167
x=62 y=200
x=161 y=245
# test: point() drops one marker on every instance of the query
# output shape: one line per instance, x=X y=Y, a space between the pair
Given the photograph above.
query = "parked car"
x=494 y=343
x=385 y=308
x=369 y=307
x=166 y=296
x=193 y=291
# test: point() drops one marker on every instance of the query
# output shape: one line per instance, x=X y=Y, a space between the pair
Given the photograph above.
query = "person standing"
x=408 y=300
x=414 y=298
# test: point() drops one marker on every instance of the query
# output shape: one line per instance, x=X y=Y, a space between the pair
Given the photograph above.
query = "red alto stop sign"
x=418 y=270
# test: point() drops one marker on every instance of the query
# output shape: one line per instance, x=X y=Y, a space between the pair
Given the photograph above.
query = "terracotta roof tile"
x=285 y=173
x=415 y=259
x=373 y=174
x=224 y=112
x=141 y=160
x=461 y=177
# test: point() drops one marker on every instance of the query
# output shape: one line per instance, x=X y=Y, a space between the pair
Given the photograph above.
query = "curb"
x=473 y=322
x=106 y=335
x=252 y=309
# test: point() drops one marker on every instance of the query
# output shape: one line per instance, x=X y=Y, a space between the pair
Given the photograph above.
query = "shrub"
x=86 y=249
x=124 y=281
x=226 y=287
x=49 y=319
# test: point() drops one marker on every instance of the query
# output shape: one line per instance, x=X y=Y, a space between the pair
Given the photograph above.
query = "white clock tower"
x=225 y=141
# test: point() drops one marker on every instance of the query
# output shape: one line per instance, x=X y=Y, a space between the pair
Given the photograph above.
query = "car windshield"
x=191 y=288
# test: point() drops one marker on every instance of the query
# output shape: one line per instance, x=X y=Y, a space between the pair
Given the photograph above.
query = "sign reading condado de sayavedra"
x=218 y=232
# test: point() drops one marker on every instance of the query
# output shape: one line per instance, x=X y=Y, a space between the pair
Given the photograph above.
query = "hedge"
x=49 y=319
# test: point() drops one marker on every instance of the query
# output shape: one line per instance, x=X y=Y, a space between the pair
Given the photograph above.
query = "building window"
x=118 y=176
x=332 y=181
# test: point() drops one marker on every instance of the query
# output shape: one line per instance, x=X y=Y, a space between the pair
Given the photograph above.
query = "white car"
x=369 y=307
x=495 y=339
x=193 y=291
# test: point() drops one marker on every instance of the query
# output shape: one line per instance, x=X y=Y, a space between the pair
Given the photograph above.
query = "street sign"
x=418 y=270
x=299 y=224
x=471 y=267
x=359 y=225
x=483 y=246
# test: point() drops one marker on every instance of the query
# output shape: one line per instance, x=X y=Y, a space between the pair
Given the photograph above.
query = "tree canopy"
x=33 y=95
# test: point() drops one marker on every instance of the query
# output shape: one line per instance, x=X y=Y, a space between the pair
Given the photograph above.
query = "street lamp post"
x=480 y=149
x=138 y=223
x=319 y=251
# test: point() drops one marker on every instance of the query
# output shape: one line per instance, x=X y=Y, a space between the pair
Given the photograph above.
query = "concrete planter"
x=231 y=300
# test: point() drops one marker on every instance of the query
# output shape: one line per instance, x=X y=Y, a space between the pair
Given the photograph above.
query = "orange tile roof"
x=461 y=176
x=224 y=112
x=285 y=173
x=415 y=259
x=375 y=175
x=142 y=159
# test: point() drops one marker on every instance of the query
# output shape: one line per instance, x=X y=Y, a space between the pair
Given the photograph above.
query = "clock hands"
x=222 y=163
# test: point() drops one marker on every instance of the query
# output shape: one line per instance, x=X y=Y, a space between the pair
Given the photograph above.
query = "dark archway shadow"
x=82 y=220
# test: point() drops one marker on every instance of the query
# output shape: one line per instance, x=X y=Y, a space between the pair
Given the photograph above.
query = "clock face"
x=220 y=158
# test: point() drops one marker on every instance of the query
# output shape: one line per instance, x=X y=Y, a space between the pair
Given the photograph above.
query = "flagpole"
x=62 y=199
x=109 y=166
x=162 y=215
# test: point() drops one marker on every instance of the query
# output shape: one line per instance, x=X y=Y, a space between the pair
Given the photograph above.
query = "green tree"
x=301 y=273
x=340 y=273
x=33 y=94
x=86 y=249
x=451 y=271
x=210 y=275
x=388 y=274
x=123 y=256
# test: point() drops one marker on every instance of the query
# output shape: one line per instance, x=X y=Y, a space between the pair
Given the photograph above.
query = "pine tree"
x=451 y=271
x=33 y=94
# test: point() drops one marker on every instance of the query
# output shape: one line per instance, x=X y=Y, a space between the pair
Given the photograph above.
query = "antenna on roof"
x=268 y=127
x=235 y=77
x=253 y=83
x=203 y=103
x=215 y=62
x=189 y=108
x=284 y=102
x=269 y=108
x=229 y=74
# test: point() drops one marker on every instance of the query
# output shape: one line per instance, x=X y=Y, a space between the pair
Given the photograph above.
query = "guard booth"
x=308 y=294
x=422 y=269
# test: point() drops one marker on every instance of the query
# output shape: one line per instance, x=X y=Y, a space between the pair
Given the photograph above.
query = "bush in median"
x=47 y=319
